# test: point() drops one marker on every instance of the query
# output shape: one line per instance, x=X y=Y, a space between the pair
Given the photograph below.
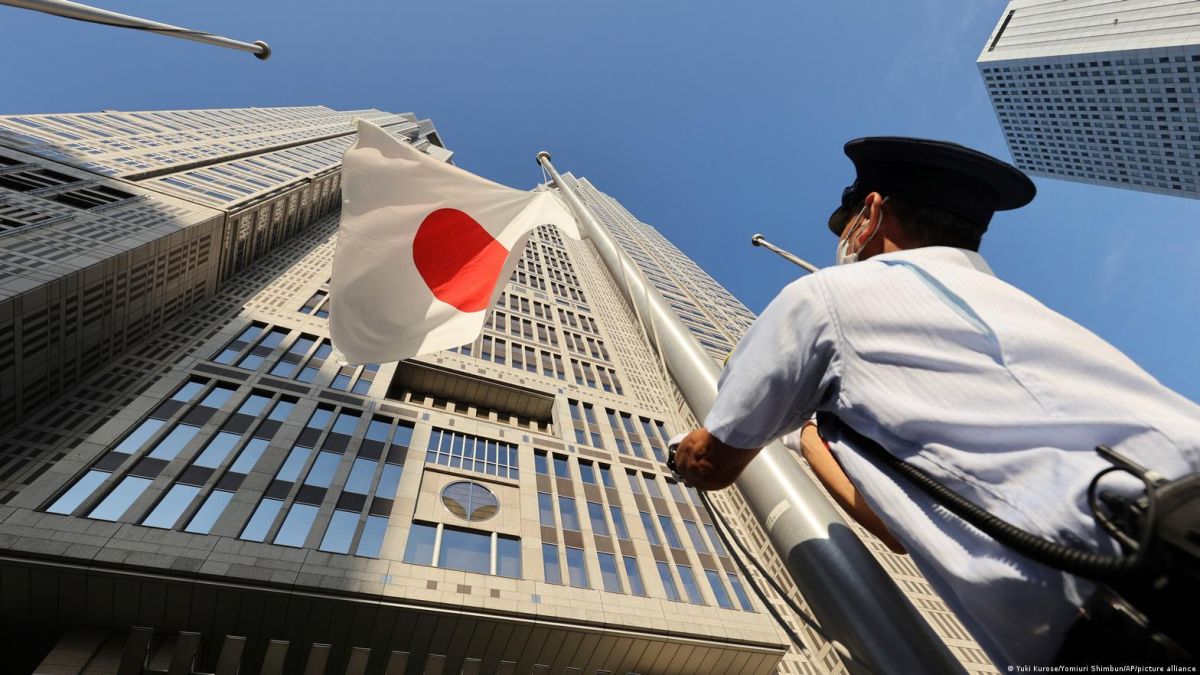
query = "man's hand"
x=705 y=463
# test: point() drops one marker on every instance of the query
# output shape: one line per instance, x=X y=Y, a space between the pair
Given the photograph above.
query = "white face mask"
x=844 y=256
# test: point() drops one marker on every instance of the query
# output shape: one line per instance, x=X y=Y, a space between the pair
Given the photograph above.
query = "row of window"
x=562 y=512
x=521 y=304
x=518 y=327
x=472 y=453
x=322 y=449
x=462 y=549
x=611 y=576
x=302 y=360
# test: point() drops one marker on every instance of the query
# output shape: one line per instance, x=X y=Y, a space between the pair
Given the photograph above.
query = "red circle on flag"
x=458 y=259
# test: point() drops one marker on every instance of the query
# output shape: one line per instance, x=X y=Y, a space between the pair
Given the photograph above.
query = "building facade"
x=1100 y=93
x=214 y=488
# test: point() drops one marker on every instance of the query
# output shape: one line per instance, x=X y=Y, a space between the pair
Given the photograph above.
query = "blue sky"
x=710 y=120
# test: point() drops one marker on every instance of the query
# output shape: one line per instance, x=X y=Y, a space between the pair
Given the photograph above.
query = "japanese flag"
x=423 y=249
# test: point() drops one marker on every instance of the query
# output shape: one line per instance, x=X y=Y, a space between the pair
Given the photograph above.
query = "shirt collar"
x=939 y=254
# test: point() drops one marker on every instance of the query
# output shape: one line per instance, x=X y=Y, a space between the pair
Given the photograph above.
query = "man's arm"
x=816 y=452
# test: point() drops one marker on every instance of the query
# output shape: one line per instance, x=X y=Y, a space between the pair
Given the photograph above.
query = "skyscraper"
x=1102 y=93
x=213 y=471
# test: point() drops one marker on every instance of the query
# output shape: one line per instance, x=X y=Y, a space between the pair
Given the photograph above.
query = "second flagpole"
x=852 y=596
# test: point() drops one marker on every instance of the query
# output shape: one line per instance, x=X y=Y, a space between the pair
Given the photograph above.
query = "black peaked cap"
x=940 y=174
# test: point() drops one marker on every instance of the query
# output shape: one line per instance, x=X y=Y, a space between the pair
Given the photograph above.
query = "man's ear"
x=874 y=217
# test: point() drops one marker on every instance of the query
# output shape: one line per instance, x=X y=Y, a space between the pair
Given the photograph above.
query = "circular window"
x=470 y=501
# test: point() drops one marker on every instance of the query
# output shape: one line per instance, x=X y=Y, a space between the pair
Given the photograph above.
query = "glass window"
x=539 y=463
x=168 y=447
x=566 y=511
x=340 y=381
x=596 y=515
x=668 y=528
x=340 y=532
x=249 y=456
x=171 y=506
x=254 y=405
x=119 y=500
x=346 y=422
x=295 y=526
x=362 y=472
x=648 y=525
x=139 y=436
x=668 y=581
x=377 y=430
x=82 y=489
x=508 y=557
x=403 y=434
x=608 y=573
x=212 y=508
x=550 y=565
x=465 y=551
x=282 y=409
x=618 y=519
x=676 y=492
x=320 y=418
x=694 y=534
x=587 y=472
x=718 y=589
x=716 y=541
x=389 y=481
x=634 y=484
x=371 y=541
x=290 y=470
x=562 y=469
x=689 y=585
x=576 y=569
x=287 y=364
x=635 y=576
x=188 y=391
x=218 y=396
x=260 y=523
x=651 y=485
x=736 y=585
x=545 y=509
x=217 y=450
x=606 y=476
x=321 y=473
x=470 y=501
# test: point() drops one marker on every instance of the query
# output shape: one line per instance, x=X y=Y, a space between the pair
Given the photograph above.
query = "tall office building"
x=211 y=487
x=1102 y=93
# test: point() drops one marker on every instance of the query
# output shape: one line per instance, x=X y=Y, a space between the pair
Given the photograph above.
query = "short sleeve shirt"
x=975 y=382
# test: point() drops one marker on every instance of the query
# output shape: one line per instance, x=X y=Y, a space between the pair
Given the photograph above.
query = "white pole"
x=759 y=240
x=854 y=599
x=74 y=10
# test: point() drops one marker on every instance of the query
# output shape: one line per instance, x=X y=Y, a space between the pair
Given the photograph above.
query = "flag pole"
x=74 y=10
x=759 y=240
x=854 y=599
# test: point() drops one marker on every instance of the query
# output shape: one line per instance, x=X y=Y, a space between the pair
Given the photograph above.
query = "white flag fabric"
x=423 y=249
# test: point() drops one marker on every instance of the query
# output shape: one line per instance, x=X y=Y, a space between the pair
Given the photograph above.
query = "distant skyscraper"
x=213 y=470
x=1102 y=93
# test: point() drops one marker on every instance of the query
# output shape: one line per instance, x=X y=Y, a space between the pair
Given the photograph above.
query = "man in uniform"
x=920 y=348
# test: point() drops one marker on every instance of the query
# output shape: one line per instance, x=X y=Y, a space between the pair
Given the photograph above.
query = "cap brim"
x=837 y=220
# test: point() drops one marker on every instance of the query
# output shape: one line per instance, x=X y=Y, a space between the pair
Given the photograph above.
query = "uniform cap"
x=940 y=174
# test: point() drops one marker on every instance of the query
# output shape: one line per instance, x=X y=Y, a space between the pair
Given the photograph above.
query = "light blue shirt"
x=983 y=387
